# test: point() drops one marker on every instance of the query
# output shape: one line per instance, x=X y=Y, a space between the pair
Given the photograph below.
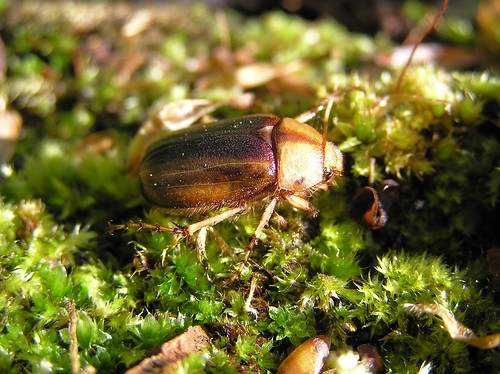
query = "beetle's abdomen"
x=207 y=169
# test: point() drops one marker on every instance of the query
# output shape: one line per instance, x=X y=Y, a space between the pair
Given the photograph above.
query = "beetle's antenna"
x=326 y=116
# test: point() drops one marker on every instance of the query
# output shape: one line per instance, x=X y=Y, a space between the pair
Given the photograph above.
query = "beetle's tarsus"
x=248 y=302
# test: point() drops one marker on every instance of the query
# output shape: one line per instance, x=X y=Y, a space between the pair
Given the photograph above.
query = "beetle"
x=235 y=163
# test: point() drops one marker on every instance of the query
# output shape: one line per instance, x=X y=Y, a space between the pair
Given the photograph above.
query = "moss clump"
x=83 y=84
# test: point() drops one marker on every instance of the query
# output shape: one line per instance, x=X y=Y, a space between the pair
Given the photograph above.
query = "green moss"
x=82 y=100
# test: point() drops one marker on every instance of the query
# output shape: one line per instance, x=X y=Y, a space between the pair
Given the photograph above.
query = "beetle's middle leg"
x=201 y=227
x=264 y=219
x=212 y=221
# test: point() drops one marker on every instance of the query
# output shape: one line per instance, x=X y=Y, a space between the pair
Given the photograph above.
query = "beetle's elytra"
x=233 y=164
x=210 y=166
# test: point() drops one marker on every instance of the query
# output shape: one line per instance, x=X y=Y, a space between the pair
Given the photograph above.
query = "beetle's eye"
x=327 y=174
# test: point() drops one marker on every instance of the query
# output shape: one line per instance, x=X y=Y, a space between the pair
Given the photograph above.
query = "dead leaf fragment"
x=194 y=339
x=138 y=23
x=11 y=123
x=455 y=329
x=260 y=73
x=449 y=57
x=175 y=116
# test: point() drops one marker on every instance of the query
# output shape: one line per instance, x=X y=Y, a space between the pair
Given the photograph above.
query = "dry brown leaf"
x=455 y=329
x=194 y=339
x=11 y=123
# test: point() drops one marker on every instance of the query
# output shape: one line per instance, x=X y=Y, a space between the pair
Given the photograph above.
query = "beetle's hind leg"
x=180 y=232
x=176 y=231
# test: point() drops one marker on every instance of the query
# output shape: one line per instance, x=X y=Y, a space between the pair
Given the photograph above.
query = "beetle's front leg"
x=302 y=204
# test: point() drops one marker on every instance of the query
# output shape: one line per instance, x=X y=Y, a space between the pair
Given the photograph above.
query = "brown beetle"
x=233 y=164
